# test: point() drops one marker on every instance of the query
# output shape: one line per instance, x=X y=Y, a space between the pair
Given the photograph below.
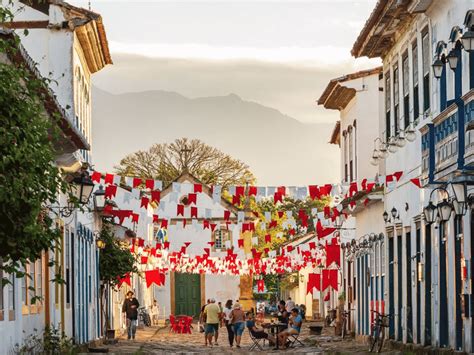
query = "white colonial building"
x=358 y=98
x=425 y=122
x=67 y=45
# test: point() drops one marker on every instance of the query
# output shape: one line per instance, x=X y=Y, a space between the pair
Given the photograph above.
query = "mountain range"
x=273 y=144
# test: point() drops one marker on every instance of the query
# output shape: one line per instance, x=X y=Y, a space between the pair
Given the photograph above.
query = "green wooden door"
x=187 y=294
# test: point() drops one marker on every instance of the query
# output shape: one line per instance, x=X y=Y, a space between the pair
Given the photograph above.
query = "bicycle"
x=345 y=317
x=144 y=316
x=377 y=333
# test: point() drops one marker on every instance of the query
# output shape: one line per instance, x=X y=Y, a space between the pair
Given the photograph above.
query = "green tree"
x=168 y=161
x=115 y=262
x=29 y=178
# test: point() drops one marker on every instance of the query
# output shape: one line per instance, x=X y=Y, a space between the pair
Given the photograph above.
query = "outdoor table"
x=274 y=330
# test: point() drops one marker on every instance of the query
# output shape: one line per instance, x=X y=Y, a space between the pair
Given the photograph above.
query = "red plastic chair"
x=174 y=324
x=187 y=325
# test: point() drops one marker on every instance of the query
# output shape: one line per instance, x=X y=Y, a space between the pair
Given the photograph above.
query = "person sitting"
x=283 y=316
x=295 y=322
x=258 y=333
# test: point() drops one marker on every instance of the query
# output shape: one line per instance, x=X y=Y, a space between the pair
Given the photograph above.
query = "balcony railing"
x=445 y=136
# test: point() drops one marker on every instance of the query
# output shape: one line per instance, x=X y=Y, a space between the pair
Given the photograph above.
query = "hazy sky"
x=278 y=53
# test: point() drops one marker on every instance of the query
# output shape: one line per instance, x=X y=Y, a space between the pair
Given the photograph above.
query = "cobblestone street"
x=155 y=340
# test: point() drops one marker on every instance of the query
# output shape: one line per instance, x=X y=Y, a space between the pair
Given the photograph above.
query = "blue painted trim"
x=442 y=91
x=458 y=74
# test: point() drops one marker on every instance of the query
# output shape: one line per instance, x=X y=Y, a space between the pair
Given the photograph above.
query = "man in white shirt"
x=289 y=305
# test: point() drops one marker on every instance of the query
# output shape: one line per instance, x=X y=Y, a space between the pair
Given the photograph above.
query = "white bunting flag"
x=158 y=185
x=216 y=193
x=117 y=179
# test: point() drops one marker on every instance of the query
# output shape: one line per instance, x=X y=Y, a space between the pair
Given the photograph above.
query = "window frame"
x=416 y=80
x=220 y=246
x=406 y=89
x=426 y=68
x=388 y=106
x=396 y=99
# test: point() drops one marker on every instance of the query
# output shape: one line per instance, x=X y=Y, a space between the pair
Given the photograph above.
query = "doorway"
x=187 y=294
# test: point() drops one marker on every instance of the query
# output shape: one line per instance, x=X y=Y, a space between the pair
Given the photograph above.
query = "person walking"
x=130 y=311
x=202 y=321
x=228 y=324
x=212 y=312
x=237 y=317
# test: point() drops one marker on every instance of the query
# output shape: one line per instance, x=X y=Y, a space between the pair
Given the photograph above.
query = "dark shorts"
x=212 y=328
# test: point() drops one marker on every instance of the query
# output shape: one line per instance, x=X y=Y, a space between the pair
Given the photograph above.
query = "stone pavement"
x=160 y=341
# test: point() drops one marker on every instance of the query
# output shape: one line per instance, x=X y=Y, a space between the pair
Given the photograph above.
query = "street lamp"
x=430 y=212
x=468 y=37
x=99 y=198
x=375 y=158
x=394 y=213
x=444 y=210
x=438 y=66
x=392 y=145
x=385 y=216
x=452 y=59
x=82 y=187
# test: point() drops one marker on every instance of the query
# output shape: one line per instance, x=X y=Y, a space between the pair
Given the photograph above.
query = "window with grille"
x=220 y=237
x=416 y=99
x=388 y=103
x=406 y=91
x=396 y=99
x=426 y=57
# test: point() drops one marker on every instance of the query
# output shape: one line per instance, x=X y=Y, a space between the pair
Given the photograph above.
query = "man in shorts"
x=295 y=327
x=213 y=315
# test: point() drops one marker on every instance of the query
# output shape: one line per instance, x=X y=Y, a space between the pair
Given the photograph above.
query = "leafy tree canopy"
x=168 y=161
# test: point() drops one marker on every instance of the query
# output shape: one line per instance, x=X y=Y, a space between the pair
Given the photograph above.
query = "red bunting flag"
x=96 y=176
x=278 y=197
x=333 y=254
x=314 y=192
x=330 y=279
x=416 y=181
x=260 y=285
x=235 y=200
x=110 y=191
x=155 y=218
x=398 y=175
x=268 y=238
x=239 y=191
x=327 y=297
x=145 y=202
x=281 y=190
x=109 y=178
x=154 y=277
x=314 y=281
x=164 y=224
x=197 y=188
x=226 y=215
x=252 y=190
x=144 y=260
x=213 y=226
x=184 y=223
x=137 y=182
x=135 y=217
x=194 y=212
x=156 y=196
x=240 y=243
x=205 y=224
x=192 y=198
x=125 y=279
x=180 y=210
x=150 y=184
x=211 y=243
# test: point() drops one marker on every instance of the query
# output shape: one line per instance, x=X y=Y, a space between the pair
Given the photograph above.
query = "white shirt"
x=289 y=305
x=227 y=313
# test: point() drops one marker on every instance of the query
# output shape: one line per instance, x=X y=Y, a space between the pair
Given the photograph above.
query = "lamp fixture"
x=438 y=66
x=400 y=142
x=385 y=217
x=467 y=40
x=452 y=59
x=80 y=192
x=394 y=213
x=392 y=145
x=430 y=212
x=444 y=210
x=375 y=158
